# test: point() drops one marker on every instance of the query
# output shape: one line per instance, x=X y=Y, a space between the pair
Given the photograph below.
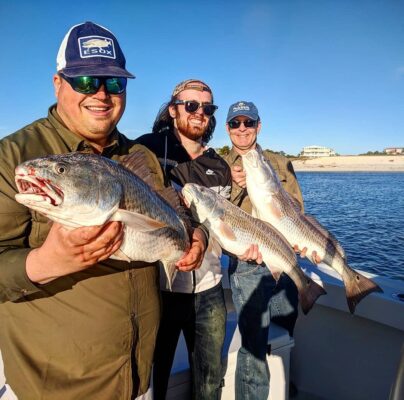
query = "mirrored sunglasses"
x=248 y=123
x=91 y=84
x=192 y=106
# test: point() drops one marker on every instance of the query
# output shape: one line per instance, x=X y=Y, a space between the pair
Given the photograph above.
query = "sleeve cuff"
x=15 y=283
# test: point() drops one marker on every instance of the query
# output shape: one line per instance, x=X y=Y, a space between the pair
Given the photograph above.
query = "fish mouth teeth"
x=39 y=188
x=185 y=196
x=183 y=200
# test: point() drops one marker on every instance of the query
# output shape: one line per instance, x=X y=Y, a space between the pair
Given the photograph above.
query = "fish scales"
x=271 y=203
x=249 y=230
x=236 y=231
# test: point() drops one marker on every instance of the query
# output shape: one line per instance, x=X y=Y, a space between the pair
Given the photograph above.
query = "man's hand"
x=252 y=254
x=303 y=253
x=67 y=251
x=193 y=259
x=238 y=176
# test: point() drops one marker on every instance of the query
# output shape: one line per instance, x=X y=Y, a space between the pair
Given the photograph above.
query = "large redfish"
x=271 y=203
x=235 y=230
x=79 y=189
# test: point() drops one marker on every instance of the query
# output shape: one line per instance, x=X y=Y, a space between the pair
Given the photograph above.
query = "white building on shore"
x=317 y=151
x=394 y=150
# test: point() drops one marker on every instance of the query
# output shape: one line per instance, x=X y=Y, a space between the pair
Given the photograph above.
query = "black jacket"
x=208 y=170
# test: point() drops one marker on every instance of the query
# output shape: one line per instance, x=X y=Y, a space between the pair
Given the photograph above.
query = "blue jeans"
x=202 y=318
x=258 y=300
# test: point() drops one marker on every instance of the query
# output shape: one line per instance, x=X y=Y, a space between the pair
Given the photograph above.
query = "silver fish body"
x=79 y=189
x=235 y=231
x=271 y=203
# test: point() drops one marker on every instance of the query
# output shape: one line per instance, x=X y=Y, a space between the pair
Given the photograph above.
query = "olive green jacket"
x=79 y=336
x=283 y=168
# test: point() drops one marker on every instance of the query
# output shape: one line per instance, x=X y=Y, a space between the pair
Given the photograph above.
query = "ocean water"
x=365 y=211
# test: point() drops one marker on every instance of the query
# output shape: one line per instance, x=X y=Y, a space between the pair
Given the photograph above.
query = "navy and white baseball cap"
x=89 y=49
x=245 y=108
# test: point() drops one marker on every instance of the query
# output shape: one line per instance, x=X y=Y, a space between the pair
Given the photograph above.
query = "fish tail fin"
x=357 y=287
x=309 y=293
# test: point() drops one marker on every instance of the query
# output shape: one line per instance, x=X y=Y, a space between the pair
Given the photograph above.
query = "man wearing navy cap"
x=257 y=297
x=74 y=323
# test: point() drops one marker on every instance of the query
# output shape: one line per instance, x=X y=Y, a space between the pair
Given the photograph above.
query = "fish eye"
x=60 y=168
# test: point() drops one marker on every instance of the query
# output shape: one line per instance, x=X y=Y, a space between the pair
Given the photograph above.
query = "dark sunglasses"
x=192 y=106
x=248 y=123
x=91 y=84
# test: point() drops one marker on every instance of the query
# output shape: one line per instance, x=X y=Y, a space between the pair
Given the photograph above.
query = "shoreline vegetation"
x=385 y=163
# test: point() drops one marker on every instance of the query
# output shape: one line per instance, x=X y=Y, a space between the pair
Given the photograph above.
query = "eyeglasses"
x=192 y=106
x=91 y=84
x=248 y=123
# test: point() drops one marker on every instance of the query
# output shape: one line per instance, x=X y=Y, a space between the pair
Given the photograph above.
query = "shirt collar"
x=234 y=156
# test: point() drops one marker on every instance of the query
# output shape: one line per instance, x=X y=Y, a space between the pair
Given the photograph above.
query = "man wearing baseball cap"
x=271 y=301
x=74 y=323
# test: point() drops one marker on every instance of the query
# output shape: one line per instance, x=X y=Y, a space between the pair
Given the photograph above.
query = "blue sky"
x=321 y=72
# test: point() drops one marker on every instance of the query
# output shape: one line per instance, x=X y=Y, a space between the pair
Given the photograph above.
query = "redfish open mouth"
x=39 y=189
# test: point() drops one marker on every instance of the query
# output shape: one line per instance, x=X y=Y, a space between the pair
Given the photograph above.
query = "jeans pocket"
x=244 y=269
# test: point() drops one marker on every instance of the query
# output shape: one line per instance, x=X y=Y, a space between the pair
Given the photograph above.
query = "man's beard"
x=193 y=132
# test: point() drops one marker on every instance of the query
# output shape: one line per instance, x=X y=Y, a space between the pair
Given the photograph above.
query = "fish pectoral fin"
x=139 y=222
x=276 y=273
x=214 y=247
x=120 y=255
x=171 y=271
x=271 y=208
x=226 y=231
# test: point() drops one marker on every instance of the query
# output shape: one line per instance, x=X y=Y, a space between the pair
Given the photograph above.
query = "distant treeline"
x=223 y=151
x=377 y=153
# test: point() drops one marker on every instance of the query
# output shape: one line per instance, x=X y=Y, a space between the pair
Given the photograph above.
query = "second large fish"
x=235 y=231
x=271 y=203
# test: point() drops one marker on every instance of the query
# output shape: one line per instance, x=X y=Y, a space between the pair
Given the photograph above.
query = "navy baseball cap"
x=89 y=49
x=245 y=108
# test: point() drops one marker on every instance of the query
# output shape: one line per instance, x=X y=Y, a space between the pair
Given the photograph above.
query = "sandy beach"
x=351 y=163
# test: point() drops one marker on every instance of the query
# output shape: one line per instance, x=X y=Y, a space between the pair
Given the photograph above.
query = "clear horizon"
x=327 y=73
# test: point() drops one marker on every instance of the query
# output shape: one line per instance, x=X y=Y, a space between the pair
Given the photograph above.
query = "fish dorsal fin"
x=226 y=231
x=326 y=233
x=137 y=163
x=172 y=197
x=139 y=222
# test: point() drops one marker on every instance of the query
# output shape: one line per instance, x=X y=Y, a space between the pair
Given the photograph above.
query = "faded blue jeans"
x=258 y=300
x=202 y=318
